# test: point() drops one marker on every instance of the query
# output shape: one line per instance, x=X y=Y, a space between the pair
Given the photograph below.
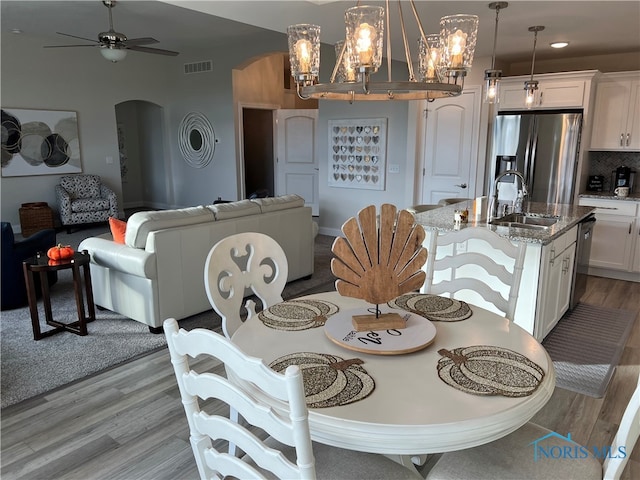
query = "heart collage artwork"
x=357 y=150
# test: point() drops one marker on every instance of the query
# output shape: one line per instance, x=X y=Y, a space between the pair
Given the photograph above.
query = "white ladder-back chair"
x=513 y=456
x=243 y=261
x=454 y=265
x=266 y=399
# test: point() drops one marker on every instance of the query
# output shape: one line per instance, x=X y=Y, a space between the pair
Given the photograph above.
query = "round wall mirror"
x=197 y=139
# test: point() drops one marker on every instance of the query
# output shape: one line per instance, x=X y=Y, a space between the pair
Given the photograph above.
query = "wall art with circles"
x=197 y=139
x=39 y=142
x=357 y=153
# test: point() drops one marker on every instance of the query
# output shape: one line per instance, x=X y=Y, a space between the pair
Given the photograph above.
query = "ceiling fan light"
x=559 y=44
x=113 y=54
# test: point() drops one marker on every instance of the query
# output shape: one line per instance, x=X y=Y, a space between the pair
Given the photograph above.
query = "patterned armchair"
x=84 y=199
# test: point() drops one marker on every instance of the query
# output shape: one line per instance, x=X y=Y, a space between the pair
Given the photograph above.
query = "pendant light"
x=359 y=57
x=530 y=86
x=492 y=76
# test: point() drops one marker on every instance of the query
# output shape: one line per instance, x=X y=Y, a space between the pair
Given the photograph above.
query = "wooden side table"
x=40 y=264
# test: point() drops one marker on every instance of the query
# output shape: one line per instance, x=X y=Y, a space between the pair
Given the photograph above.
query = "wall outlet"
x=109 y=160
x=394 y=168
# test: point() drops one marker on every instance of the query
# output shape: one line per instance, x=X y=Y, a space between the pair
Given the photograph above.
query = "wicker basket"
x=34 y=217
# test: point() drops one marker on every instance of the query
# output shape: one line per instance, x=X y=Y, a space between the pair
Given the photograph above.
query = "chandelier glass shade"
x=444 y=59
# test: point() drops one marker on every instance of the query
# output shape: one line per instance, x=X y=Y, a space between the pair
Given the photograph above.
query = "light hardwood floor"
x=128 y=423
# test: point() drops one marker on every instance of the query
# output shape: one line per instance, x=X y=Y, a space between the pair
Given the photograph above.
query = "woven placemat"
x=297 y=314
x=488 y=370
x=329 y=380
x=433 y=307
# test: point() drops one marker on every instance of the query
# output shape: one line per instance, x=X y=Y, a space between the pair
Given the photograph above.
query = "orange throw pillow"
x=118 y=228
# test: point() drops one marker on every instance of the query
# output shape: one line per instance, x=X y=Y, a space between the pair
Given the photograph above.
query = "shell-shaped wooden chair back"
x=379 y=258
x=455 y=267
x=242 y=261
x=255 y=396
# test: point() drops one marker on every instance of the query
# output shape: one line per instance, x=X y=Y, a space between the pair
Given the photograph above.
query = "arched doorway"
x=141 y=143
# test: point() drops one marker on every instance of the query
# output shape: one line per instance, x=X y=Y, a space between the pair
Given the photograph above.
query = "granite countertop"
x=633 y=197
x=442 y=219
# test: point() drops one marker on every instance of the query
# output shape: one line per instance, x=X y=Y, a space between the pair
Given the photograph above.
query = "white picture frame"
x=358 y=153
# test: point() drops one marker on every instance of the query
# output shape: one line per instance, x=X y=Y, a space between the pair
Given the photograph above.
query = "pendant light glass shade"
x=492 y=76
x=304 y=52
x=531 y=85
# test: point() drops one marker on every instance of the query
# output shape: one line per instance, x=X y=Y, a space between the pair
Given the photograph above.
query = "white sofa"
x=159 y=271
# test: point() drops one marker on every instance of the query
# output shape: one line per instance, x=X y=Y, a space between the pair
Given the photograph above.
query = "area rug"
x=586 y=345
x=30 y=367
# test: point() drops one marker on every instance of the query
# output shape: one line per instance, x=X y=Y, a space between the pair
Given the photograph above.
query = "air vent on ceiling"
x=198 y=67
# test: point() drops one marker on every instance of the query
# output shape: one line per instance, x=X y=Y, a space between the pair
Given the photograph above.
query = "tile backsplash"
x=603 y=163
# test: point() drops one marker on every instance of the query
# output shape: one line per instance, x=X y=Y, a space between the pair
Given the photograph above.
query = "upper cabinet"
x=555 y=90
x=550 y=94
x=616 y=117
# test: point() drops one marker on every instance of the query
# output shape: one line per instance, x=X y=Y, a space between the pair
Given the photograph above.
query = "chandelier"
x=492 y=76
x=530 y=86
x=444 y=59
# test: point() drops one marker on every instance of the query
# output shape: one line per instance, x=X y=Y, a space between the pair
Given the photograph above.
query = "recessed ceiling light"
x=17 y=31
x=559 y=44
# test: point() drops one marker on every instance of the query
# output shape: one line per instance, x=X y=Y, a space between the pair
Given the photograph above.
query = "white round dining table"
x=411 y=411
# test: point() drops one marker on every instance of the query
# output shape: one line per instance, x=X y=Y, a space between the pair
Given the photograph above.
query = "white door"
x=296 y=159
x=451 y=148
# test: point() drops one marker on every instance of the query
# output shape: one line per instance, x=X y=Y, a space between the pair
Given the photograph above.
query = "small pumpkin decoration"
x=297 y=314
x=487 y=370
x=60 y=252
x=329 y=380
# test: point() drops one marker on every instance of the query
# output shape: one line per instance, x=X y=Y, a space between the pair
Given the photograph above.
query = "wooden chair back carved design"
x=248 y=260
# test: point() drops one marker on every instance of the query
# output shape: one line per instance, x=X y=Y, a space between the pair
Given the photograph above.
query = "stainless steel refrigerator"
x=544 y=147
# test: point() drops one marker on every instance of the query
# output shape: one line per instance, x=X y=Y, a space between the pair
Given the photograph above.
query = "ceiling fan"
x=114 y=45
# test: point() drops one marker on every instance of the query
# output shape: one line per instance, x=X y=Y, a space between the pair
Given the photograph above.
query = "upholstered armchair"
x=14 y=290
x=85 y=199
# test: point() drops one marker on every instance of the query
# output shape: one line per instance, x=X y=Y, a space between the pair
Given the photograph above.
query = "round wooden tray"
x=418 y=333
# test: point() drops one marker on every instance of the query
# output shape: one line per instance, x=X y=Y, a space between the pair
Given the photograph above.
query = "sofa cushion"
x=272 y=204
x=118 y=229
x=141 y=223
x=81 y=186
x=241 y=208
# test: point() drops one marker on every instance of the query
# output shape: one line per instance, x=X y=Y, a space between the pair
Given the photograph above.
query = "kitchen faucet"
x=517 y=203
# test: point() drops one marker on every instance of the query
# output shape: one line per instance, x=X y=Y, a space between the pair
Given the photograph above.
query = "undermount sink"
x=525 y=220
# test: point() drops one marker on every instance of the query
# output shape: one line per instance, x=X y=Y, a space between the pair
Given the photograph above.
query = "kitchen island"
x=548 y=271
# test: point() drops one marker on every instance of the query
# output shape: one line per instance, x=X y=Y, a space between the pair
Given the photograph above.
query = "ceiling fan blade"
x=140 y=41
x=75 y=36
x=64 y=46
x=153 y=50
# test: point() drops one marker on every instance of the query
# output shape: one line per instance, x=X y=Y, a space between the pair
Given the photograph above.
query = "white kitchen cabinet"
x=616 y=119
x=550 y=94
x=616 y=241
x=556 y=278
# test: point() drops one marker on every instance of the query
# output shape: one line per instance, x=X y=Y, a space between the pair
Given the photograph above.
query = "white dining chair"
x=238 y=265
x=472 y=262
x=514 y=456
x=270 y=401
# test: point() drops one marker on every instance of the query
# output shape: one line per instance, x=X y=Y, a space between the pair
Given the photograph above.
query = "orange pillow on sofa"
x=118 y=228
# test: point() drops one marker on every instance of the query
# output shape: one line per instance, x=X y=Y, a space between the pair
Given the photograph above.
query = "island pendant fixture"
x=361 y=54
x=531 y=85
x=492 y=76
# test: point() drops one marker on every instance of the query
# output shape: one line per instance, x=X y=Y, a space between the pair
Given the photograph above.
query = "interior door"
x=451 y=148
x=296 y=159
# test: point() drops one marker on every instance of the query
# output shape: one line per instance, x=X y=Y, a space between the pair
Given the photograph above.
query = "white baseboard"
x=616 y=274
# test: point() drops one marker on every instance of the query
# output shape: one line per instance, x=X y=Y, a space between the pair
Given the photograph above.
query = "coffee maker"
x=623 y=177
